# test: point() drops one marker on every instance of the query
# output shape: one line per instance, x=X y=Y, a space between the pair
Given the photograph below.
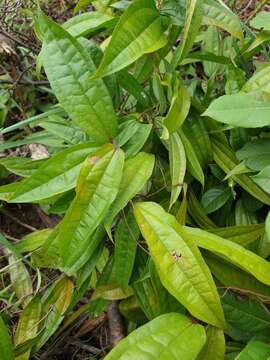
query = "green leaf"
x=177 y=158
x=255 y=153
x=254 y=350
x=261 y=21
x=267 y=227
x=179 y=263
x=194 y=13
x=179 y=109
x=193 y=163
x=57 y=175
x=240 y=110
x=88 y=23
x=24 y=167
x=218 y=14
x=259 y=82
x=28 y=324
x=164 y=338
x=138 y=140
x=240 y=234
x=55 y=302
x=96 y=189
x=226 y=160
x=230 y=251
x=235 y=278
x=245 y=313
x=214 y=349
x=6 y=346
x=216 y=197
x=136 y=173
x=126 y=237
x=20 y=279
x=263 y=179
x=68 y=67
x=139 y=31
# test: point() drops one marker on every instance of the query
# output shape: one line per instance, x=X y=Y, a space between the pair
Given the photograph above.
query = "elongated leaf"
x=136 y=142
x=163 y=338
x=193 y=163
x=20 y=279
x=218 y=14
x=28 y=324
x=87 y=23
x=136 y=172
x=255 y=349
x=68 y=67
x=214 y=348
x=231 y=251
x=55 y=303
x=58 y=174
x=126 y=237
x=233 y=277
x=139 y=31
x=241 y=234
x=177 y=159
x=240 y=110
x=24 y=167
x=244 y=313
x=5 y=342
x=194 y=13
x=179 y=263
x=179 y=109
x=96 y=189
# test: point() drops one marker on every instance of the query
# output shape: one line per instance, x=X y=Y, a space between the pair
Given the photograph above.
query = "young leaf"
x=165 y=337
x=57 y=175
x=179 y=263
x=218 y=14
x=139 y=31
x=136 y=173
x=28 y=325
x=96 y=189
x=177 y=158
x=194 y=13
x=240 y=110
x=6 y=346
x=68 y=67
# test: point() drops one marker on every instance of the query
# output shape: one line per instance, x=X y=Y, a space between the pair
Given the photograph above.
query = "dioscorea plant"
x=160 y=169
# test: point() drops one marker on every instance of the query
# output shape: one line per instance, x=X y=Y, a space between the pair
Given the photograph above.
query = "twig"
x=12 y=217
x=25 y=82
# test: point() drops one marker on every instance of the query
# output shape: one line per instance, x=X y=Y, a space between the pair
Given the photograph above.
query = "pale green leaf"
x=242 y=110
x=6 y=346
x=168 y=337
x=214 y=348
